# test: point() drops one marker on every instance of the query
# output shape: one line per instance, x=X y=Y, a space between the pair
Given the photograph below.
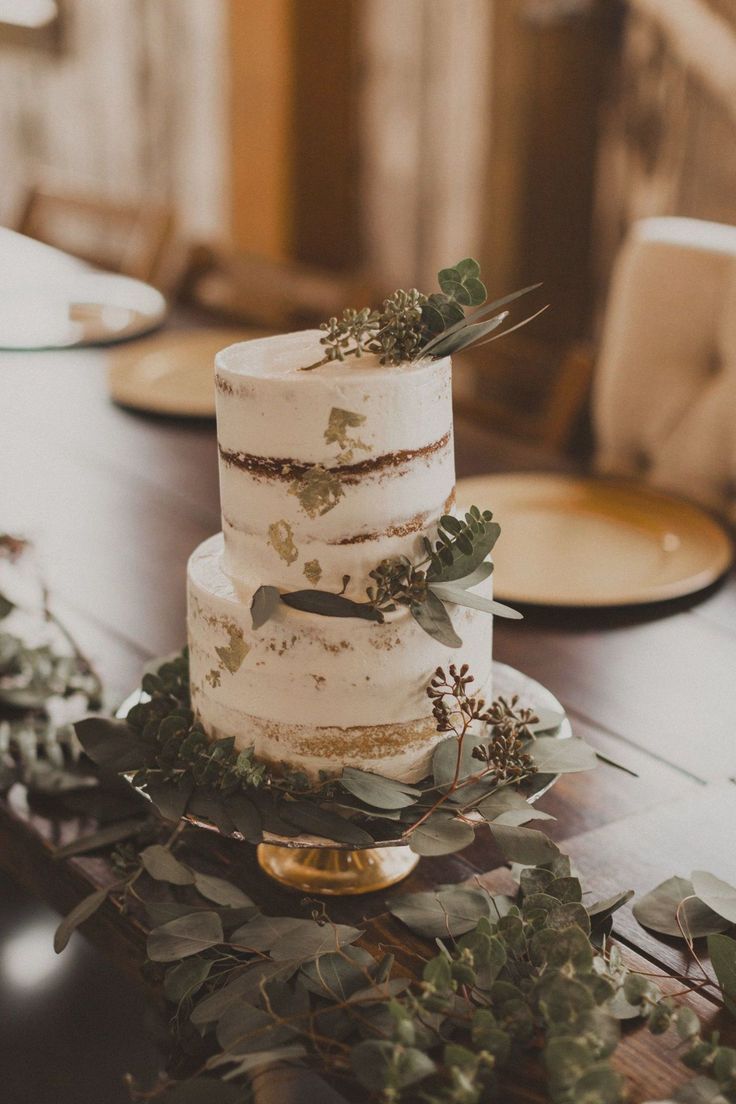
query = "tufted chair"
x=664 y=396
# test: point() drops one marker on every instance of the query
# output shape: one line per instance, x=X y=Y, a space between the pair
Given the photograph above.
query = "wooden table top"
x=115 y=502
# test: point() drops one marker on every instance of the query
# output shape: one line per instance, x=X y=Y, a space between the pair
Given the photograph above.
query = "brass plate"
x=172 y=372
x=568 y=541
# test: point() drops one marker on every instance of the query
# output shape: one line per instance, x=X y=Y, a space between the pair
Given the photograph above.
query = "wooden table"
x=115 y=502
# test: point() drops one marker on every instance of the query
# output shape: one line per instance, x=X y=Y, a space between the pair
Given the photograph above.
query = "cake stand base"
x=336 y=872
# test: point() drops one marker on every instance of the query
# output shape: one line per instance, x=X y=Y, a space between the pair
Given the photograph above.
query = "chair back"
x=664 y=394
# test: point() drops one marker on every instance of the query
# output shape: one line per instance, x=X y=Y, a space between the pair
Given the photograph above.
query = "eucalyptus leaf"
x=447 y=911
x=374 y=789
x=378 y=1063
x=244 y=987
x=312 y=940
x=111 y=833
x=183 y=979
x=213 y=807
x=722 y=951
x=111 y=744
x=164 y=867
x=715 y=893
x=524 y=845
x=264 y=605
x=77 y=916
x=508 y=806
x=338 y=975
x=432 y=616
x=482 y=572
x=245 y=816
x=445 y=760
x=324 y=823
x=459 y=596
x=243 y=1029
x=327 y=604
x=6 y=606
x=554 y=756
x=441 y=835
x=220 y=891
x=467 y=335
x=185 y=936
x=658 y=911
x=483 y=312
x=171 y=796
x=249 y=1063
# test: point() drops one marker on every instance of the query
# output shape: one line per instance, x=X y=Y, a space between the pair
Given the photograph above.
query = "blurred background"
x=269 y=161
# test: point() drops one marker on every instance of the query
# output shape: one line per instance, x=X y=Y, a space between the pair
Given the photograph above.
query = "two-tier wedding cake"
x=344 y=578
x=324 y=472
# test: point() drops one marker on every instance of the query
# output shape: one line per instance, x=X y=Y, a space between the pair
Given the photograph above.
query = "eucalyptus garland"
x=411 y=325
x=494 y=982
x=491 y=761
x=451 y=567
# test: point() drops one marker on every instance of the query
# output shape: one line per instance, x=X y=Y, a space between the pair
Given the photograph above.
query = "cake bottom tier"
x=320 y=693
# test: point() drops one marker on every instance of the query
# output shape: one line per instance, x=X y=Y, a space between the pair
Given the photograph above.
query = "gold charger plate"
x=172 y=372
x=570 y=541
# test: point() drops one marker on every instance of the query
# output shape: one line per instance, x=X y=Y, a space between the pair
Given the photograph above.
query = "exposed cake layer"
x=323 y=472
x=315 y=692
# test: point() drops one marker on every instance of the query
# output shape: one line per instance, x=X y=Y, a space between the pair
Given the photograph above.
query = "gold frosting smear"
x=232 y=655
x=318 y=491
x=281 y=537
x=340 y=421
x=313 y=571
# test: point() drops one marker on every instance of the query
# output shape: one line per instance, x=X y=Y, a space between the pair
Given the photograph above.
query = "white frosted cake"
x=324 y=472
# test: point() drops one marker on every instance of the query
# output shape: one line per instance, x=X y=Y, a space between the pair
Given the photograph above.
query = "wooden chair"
x=664 y=394
x=129 y=238
x=277 y=295
x=527 y=388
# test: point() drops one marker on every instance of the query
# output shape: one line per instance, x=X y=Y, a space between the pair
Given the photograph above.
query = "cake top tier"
x=299 y=358
x=272 y=403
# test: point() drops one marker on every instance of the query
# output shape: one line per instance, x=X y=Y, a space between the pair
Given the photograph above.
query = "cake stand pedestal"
x=336 y=872
x=310 y=864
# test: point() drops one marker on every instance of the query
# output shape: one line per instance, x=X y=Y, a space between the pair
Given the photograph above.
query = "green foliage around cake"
x=410 y=325
x=493 y=759
x=495 y=981
x=456 y=562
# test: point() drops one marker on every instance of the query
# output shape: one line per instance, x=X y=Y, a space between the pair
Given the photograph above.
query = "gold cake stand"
x=311 y=864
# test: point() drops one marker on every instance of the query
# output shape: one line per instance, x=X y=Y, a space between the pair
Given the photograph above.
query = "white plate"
x=568 y=541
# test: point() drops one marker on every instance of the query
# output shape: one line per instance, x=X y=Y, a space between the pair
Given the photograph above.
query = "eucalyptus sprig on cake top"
x=491 y=760
x=445 y=576
x=411 y=325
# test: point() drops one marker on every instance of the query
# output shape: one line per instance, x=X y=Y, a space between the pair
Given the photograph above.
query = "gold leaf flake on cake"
x=232 y=655
x=340 y=421
x=214 y=678
x=318 y=490
x=313 y=571
x=281 y=538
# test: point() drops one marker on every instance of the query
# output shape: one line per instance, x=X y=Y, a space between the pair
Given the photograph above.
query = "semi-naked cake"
x=325 y=471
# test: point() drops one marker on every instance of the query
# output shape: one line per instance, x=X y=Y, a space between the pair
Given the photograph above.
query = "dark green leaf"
x=373 y=789
x=441 y=835
x=188 y=935
x=212 y=807
x=170 y=796
x=716 y=894
x=244 y=987
x=379 y=1064
x=508 y=806
x=164 y=867
x=265 y=603
x=186 y=977
x=220 y=891
x=321 y=822
x=460 y=596
x=110 y=834
x=448 y=911
x=338 y=975
x=524 y=845
x=432 y=616
x=77 y=916
x=243 y=1029
x=468 y=335
x=722 y=951
x=111 y=744
x=658 y=910
x=245 y=817
x=327 y=604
